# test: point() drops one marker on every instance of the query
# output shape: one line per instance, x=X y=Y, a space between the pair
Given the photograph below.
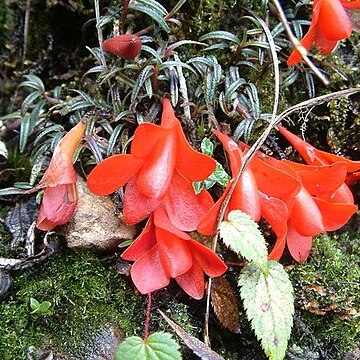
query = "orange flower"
x=60 y=196
x=126 y=46
x=329 y=24
x=159 y=169
x=162 y=252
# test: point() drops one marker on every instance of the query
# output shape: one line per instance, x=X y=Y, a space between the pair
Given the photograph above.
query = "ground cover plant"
x=195 y=149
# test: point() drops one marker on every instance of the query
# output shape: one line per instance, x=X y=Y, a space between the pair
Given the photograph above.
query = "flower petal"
x=305 y=215
x=319 y=180
x=137 y=207
x=61 y=169
x=144 y=242
x=183 y=206
x=126 y=46
x=211 y=264
x=175 y=255
x=335 y=215
x=307 y=41
x=156 y=174
x=333 y=21
x=146 y=137
x=192 y=282
x=298 y=245
x=147 y=272
x=113 y=173
x=162 y=221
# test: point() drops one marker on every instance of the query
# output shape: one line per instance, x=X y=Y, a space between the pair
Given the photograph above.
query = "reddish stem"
x=148 y=316
x=124 y=14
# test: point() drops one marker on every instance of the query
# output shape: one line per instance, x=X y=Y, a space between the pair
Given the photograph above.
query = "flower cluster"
x=298 y=201
x=329 y=24
x=158 y=174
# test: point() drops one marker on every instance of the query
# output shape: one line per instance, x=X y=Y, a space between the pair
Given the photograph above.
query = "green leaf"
x=29 y=100
x=158 y=346
x=145 y=73
x=34 y=82
x=153 y=12
x=223 y=35
x=207 y=147
x=27 y=126
x=242 y=235
x=269 y=304
x=113 y=138
x=34 y=304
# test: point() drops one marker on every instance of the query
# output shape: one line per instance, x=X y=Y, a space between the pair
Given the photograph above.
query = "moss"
x=327 y=288
x=85 y=294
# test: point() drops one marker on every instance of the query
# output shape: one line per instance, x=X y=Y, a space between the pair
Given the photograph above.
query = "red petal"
x=324 y=45
x=144 y=242
x=342 y=195
x=127 y=46
x=146 y=137
x=233 y=151
x=208 y=222
x=168 y=118
x=190 y=163
x=307 y=41
x=305 y=215
x=333 y=21
x=278 y=248
x=113 y=173
x=320 y=180
x=335 y=215
x=162 y=221
x=274 y=177
x=137 y=207
x=147 y=272
x=58 y=206
x=352 y=178
x=157 y=172
x=298 y=245
x=174 y=253
x=192 y=282
x=211 y=264
x=61 y=169
x=354 y=4
x=245 y=196
x=183 y=206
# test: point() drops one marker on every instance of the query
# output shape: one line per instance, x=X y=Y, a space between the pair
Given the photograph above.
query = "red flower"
x=162 y=252
x=126 y=46
x=329 y=24
x=313 y=156
x=60 y=196
x=159 y=169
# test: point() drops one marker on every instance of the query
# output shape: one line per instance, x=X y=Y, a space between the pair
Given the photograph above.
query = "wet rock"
x=94 y=225
x=5 y=283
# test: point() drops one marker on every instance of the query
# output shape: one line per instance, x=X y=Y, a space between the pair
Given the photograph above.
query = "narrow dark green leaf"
x=222 y=35
x=28 y=101
x=113 y=138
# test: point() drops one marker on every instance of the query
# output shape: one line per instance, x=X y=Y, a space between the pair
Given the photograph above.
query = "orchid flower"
x=60 y=195
x=160 y=169
x=313 y=156
x=162 y=252
x=126 y=46
x=329 y=24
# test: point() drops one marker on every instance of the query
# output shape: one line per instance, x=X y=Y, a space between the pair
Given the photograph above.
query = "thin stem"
x=148 y=316
x=298 y=45
x=26 y=29
x=123 y=17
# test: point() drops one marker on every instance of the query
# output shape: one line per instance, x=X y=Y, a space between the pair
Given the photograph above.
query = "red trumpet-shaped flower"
x=126 y=46
x=60 y=196
x=162 y=252
x=159 y=169
x=329 y=24
x=313 y=156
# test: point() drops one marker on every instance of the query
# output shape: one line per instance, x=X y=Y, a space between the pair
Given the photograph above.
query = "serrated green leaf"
x=242 y=235
x=155 y=14
x=223 y=35
x=145 y=73
x=207 y=147
x=158 y=346
x=269 y=304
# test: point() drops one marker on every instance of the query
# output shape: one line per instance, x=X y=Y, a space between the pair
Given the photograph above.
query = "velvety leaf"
x=242 y=235
x=268 y=300
x=225 y=304
x=158 y=346
x=197 y=346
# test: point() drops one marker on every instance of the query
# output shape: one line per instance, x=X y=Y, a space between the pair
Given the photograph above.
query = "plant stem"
x=148 y=316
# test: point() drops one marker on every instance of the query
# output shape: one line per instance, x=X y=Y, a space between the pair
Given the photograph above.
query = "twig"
x=26 y=30
x=298 y=46
x=245 y=161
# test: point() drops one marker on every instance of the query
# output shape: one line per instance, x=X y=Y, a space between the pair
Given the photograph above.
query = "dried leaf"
x=225 y=304
x=197 y=346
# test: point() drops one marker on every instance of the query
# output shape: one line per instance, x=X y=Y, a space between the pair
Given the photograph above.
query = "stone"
x=94 y=225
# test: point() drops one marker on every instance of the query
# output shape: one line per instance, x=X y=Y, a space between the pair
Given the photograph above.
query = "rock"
x=94 y=225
